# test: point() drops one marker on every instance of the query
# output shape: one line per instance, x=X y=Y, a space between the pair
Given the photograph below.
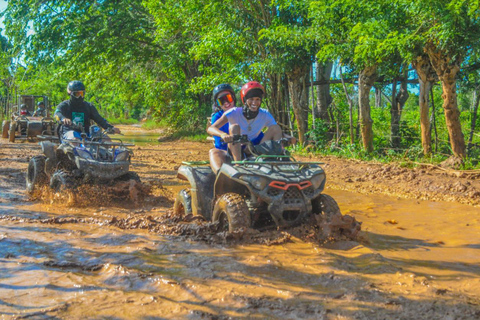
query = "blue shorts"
x=258 y=139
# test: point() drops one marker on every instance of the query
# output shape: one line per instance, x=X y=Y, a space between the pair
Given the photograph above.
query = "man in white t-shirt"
x=249 y=120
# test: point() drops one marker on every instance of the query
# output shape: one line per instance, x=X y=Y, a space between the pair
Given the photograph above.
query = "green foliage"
x=319 y=133
x=160 y=60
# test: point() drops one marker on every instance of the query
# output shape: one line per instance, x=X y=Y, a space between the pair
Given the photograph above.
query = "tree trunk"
x=277 y=104
x=324 y=99
x=298 y=95
x=350 y=108
x=433 y=119
x=366 y=80
x=447 y=70
x=378 y=97
x=475 y=103
x=398 y=102
x=426 y=77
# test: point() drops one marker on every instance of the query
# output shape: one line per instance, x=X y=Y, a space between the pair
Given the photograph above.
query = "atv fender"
x=48 y=149
x=201 y=179
x=226 y=183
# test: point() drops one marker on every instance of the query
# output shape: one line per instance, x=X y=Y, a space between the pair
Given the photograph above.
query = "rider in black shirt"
x=79 y=112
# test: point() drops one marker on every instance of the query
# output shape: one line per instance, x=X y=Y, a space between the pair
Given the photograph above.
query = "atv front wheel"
x=11 y=132
x=5 y=128
x=61 y=181
x=325 y=208
x=231 y=211
x=183 y=203
x=36 y=175
x=331 y=221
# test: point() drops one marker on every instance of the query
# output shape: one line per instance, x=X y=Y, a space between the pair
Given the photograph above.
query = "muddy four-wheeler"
x=94 y=159
x=25 y=127
x=267 y=188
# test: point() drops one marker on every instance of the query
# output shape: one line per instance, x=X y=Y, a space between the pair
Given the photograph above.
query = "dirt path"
x=103 y=259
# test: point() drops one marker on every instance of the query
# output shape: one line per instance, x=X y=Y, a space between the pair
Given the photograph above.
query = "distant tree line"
x=163 y=58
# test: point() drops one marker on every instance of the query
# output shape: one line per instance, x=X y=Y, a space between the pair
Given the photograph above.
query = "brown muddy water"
x=414 y=259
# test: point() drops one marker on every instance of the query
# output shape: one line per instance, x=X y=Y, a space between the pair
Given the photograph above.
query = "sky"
x=3 y=5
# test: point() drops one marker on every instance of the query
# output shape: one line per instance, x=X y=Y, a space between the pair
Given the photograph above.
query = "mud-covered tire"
x=331 y=221
x=11 y=132
x=325 y=208
x=183 y=203
x=5 y=128
x=36 y=175
x=61 y=181
x=231 y=211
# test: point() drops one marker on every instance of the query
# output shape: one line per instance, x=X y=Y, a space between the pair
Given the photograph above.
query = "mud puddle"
x=415 y=259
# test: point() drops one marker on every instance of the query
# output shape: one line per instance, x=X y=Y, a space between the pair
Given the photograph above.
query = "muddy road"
x=418 y=256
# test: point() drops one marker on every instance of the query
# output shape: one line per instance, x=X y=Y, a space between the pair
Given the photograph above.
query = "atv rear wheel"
x=183 y=203
x=11 y=132
x=61 y=181
x=231 y=211
x=36 y=175
x=5 y=128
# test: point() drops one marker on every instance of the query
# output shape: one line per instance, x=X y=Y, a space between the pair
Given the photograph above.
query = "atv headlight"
x=258 y=183
x=121 y=155
x=83 y=153
x=318 y=180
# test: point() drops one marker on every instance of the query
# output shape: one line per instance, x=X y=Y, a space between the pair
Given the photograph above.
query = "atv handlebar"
x=238 y=138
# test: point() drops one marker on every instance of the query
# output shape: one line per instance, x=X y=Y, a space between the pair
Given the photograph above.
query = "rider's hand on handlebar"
x=116 y=130
x=227 y=138
x=67 y=121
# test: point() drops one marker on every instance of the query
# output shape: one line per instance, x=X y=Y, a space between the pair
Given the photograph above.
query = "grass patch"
x=152 y=124
x=185 y=135
x=122 y=121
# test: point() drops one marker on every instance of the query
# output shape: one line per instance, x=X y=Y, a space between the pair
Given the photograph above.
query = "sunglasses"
x=78 y=94
x=224 y=99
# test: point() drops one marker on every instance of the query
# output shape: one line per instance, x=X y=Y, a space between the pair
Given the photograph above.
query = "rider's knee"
x=234 y=129
x=275 y=132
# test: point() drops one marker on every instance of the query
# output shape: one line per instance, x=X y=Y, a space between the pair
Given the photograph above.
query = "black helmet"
x=220 y=88
x=76 y=85
x=40 y=103
x=23 y=106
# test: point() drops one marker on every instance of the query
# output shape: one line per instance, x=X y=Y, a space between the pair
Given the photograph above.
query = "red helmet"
x=249 y=86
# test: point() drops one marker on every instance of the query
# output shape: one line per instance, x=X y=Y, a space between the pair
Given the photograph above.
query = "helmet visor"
x=78 y=94
x=224 y=99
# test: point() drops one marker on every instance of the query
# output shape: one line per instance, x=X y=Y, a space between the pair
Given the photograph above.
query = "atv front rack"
x=278 y=164
x=103 y=143
x=195 y=163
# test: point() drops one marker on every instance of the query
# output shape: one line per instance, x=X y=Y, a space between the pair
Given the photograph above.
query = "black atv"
x=92 y=159
x=268 y=188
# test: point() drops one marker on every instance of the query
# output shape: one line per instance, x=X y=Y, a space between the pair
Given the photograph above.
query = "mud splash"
x=127 y=193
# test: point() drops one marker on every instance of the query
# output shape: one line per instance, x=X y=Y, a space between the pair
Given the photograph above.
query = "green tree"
x=448 y=34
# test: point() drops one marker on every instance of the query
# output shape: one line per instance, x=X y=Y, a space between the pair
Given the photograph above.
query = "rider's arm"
x=98 y=118
x=214 y=129
x=59 y=112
